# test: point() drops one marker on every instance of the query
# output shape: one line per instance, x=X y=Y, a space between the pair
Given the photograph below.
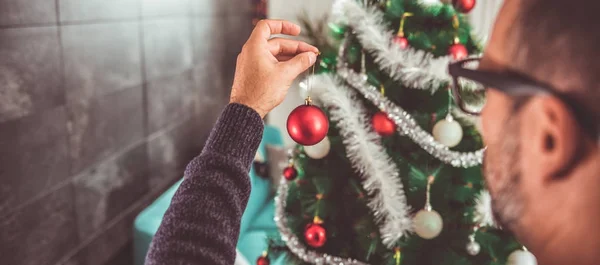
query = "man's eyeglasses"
x=469 y=85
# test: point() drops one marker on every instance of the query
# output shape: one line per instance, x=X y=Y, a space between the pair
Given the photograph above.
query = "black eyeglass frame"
x=514 y=84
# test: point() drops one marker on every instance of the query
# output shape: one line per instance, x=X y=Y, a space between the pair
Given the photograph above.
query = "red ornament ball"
x=315 y=235
x=458 y=51
x=464 y=6
x=290 y=173
x=382 y=124
x=263 y=261
x=401 y=41
x=307 y=125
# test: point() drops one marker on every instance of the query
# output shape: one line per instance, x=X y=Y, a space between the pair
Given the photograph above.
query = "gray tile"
x=16 y=12
x=209 y=7
x=33 y=156
x=192 y=96
x=78 y=10
x=166 y=7
x=221 y=7
x=203 y=122
x=102 y=250
x=209 y=35
x=169 y=152
x=74 y=260
x=113 y=246
x=168 y=48
x=40 y=233
x=238 y=7
x=210 y=81
x=211 y=58
x=124 y=256
x=104 y=191
x=103 y=125
x=239 y=28
x=171 y=100
x=30 y=75
x=101 y=58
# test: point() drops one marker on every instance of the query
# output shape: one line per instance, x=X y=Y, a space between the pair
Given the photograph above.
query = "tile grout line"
x=114 y=155
x=168 y=128
x=144 y=75
x=135 y=206
x=105 y=21
x=192 y=34
x=28 y=25
x=68 y=181
x=94 y=164
x=94 y=21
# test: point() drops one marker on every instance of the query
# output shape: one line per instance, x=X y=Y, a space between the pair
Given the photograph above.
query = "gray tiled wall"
x=102 y=104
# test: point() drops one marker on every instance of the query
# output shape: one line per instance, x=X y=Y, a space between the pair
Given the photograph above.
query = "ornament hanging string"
x=450 y=100
x=310 y=82
x=317 y=219
x=397 y=255
x=402 y=22
x=430 y=180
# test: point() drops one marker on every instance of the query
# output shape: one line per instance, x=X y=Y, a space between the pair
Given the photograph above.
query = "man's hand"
x=267 y=67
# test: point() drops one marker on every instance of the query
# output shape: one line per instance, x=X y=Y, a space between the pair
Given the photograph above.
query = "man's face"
x=501 y=129
x=540 y=167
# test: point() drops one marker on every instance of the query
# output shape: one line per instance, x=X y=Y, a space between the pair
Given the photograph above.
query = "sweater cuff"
x=237 y=133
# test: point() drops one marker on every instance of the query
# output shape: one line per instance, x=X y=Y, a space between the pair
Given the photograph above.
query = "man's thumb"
x=299 y=63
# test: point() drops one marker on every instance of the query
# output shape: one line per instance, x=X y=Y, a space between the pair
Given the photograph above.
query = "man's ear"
x=551 y=136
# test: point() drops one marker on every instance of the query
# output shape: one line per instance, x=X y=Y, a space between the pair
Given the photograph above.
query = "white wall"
x=482 y=18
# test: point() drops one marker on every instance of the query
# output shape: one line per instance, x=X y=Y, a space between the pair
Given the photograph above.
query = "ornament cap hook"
x=317 y=220
x=455 y=22
x=308 y=101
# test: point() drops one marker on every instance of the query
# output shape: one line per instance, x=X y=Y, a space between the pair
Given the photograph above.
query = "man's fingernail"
x=312 y=58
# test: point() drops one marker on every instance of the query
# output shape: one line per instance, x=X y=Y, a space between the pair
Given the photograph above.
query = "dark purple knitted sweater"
x=202 y=224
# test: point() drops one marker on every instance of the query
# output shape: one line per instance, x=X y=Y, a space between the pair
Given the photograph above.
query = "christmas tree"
x=397 y=179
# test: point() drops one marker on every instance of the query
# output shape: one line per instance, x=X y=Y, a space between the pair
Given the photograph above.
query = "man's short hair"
x=559 y=41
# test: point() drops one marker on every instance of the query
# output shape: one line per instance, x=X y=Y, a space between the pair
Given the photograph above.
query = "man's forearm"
x=203 y=222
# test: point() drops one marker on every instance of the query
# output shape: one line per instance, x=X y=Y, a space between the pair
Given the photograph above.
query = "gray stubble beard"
x=503 y=166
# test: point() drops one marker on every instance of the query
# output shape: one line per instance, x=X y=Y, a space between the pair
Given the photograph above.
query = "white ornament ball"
x=473 y=248
x=448 y=132
x=428 y=224
x=319 y=150
x=521 y=257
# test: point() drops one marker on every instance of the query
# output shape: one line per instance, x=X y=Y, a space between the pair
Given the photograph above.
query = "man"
x=540 y=124
x=542 y=164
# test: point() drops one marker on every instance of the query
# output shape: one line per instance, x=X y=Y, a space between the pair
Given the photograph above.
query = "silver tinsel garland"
x=413 y=68
x=404 y=121
x=484 y=215
x=378 y=172
x=296 y=246
x=407 y=125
